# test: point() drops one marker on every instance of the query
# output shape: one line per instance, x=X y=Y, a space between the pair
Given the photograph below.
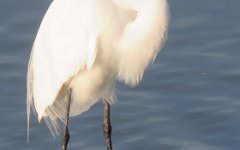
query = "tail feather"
x=29 y=94
x=55 y=117
x=55 y=114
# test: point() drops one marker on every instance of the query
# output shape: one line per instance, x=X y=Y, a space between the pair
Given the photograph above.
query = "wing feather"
x=65 y=44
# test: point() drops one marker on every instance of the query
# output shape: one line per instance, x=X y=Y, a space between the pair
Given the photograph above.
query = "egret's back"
x=86 y=45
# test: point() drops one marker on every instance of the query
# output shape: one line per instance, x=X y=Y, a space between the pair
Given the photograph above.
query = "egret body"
x=83 y=47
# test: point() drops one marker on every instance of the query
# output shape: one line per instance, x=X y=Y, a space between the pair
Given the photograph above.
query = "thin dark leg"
x=66 y=135
x=107 y=125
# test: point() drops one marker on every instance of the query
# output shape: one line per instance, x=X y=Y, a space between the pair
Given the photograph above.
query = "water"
x=189 y=99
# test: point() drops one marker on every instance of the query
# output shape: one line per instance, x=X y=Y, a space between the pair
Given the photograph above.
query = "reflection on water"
x=189 y=99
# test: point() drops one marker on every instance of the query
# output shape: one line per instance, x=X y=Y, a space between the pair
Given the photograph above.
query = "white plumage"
x=87 y=45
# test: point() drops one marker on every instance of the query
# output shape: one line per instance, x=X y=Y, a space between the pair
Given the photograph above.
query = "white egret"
x=82 y=48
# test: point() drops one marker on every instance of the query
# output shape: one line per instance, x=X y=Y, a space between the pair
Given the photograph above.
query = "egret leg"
x=66 y=135
x=107 y=129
